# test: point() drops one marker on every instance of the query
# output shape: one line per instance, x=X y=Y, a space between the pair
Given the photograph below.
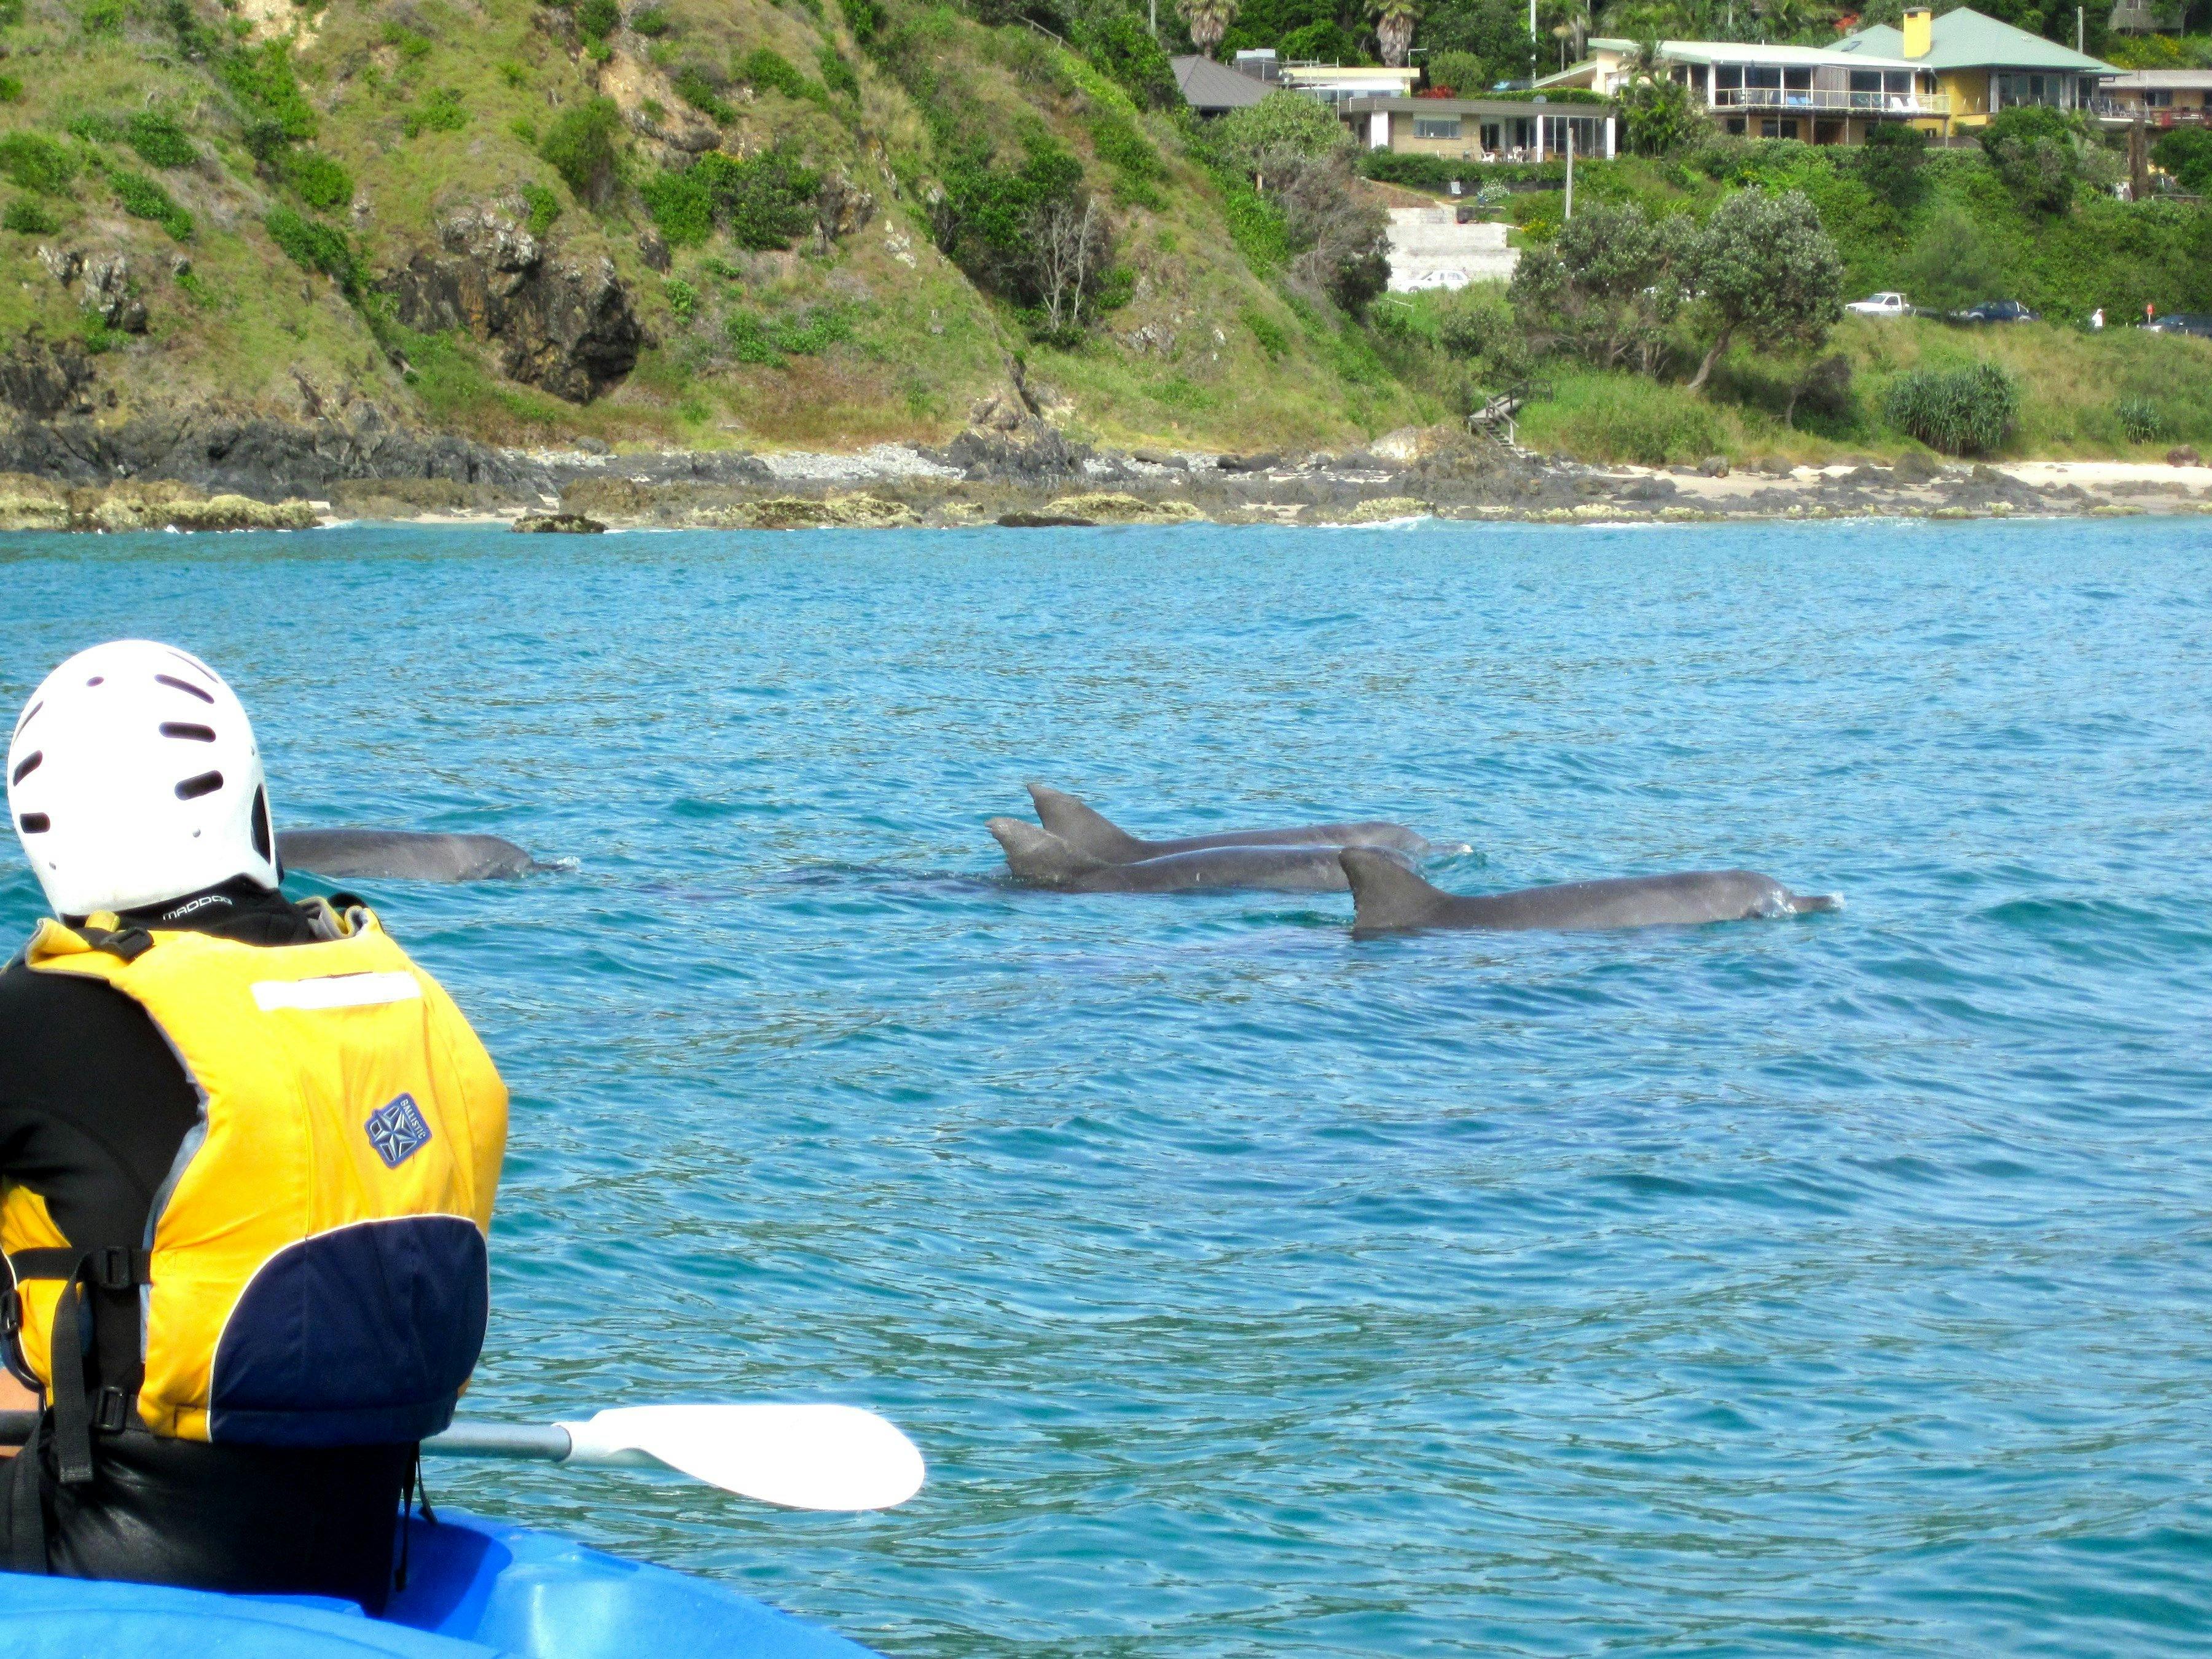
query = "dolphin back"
x=1387 y=896
x=1084 y=830
x=1090 y=832
x=1037 y=856
x=355 y=854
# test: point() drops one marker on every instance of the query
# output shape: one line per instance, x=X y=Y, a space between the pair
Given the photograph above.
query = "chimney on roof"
x=1919 y=31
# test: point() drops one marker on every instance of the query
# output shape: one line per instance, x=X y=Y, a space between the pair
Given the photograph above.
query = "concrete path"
x=1428 y=249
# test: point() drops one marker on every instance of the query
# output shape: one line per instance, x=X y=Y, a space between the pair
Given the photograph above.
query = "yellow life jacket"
x=313 y=1270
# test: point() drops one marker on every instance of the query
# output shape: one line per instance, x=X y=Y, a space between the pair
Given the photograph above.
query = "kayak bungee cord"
x=809 y=1456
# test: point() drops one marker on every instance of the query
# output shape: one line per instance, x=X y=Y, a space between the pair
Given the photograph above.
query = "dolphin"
x=1389 y=897
x=400 y=855
x=1095 y=836
x=1040 y=858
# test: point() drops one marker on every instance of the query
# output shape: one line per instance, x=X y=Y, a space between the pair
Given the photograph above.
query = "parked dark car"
x=2199 y=323
x=1995 y=310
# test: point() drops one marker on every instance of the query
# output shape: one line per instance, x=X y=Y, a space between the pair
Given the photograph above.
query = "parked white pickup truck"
x=1880 y=305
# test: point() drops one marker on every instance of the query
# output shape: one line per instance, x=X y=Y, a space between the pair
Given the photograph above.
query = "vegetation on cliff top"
x=843 y=221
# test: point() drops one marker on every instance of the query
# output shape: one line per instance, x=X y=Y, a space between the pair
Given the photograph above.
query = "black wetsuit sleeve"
x=93 y=1109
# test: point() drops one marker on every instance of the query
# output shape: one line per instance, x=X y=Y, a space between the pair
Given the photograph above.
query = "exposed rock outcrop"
x=1114 y=508
x=39 y=504
x=570 y=326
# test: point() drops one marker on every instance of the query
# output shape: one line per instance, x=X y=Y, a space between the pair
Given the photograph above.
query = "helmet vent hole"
x=185 y=686
x=262 y=842
x=206 y=784
x=186 y=729
x=35 y=824
x=97 y=679
x=30 y=716
x=27 y=765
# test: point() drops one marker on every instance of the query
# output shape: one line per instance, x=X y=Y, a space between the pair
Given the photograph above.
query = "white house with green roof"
x=1982 y=66
x=1946 y=75
x=1815 y=95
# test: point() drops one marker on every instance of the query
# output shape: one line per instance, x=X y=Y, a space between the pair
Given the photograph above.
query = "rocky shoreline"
x=63 y=472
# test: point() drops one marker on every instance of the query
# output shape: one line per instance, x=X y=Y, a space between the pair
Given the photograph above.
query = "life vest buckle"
x=112 y=1268
x=111 y=1411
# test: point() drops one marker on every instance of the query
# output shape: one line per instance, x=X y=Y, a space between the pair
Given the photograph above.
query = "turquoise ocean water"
x=1832 y=1286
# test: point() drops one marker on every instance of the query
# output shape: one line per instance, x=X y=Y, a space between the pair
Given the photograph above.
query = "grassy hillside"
x=824 y=214
x=304 y=153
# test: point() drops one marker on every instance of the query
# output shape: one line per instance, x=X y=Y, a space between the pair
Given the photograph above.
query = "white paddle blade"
x=801 y=1457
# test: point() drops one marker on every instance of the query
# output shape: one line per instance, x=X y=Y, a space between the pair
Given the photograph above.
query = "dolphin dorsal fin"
x=1084 y=830
x=1034 y=854
x=1386 y=894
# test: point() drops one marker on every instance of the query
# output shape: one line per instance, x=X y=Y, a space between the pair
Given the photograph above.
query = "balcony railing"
x=2125 y=110
x=1824 y=98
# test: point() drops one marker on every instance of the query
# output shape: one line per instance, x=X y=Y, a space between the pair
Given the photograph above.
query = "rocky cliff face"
x=570 y=326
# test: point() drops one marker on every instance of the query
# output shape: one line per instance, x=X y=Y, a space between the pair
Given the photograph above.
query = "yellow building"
x=1981 y=66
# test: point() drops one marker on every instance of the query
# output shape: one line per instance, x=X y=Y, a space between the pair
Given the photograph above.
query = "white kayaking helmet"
x=133 y=778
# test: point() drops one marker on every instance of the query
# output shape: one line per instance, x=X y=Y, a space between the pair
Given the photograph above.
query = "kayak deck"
x=475 y=1589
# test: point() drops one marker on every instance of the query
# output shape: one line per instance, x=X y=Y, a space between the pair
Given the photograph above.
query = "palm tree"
x=1393 y=28
x=1209 y=21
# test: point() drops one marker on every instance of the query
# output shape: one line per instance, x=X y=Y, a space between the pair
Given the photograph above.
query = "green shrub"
x=439 y=111
x=544 y=208
x=1626 y=419
x=693 y=87
x=1273 y=339
x=2141 y=420
x=263 y=80
x=35 y=163
x=865 y=18
x=683 y=298
x=598 y=19
x=102 y=19
x=749 y=339
x=320 y=182
x=580 y=146
x=159 y=142
x=317 y=247
x=525 y=129
x=650 y=22
x=1119 y=43
x=515 y=74
x=143 y=198
x=2186 y=153
x=11 y=90
x=767 y=202
x=1890 y=161
x=764 y=71
x=411 y=46
x=26 y=218
x=1256 y=226
x=1961 y=411
x=681 y=206
x=2035 y=149
x=837 y=74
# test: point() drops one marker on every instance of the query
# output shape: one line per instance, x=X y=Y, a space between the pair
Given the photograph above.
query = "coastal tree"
x=2036 y=150
x=1394 y=21
x=1209 y=20
x=1281 y=131
x=1657 y=115
x=1890 y=159
x=1765 y=271
x=1610 y=285
x=1341 y=236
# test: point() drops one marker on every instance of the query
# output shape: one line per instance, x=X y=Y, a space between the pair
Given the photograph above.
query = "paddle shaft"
x=532 y=1443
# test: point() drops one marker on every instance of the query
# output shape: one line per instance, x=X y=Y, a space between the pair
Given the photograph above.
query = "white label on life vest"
x=339 y=991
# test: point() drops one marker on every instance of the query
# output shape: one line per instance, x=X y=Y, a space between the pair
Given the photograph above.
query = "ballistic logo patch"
x=398 y=1131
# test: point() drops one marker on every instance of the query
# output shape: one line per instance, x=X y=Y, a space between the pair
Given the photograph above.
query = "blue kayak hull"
x=475 y=1589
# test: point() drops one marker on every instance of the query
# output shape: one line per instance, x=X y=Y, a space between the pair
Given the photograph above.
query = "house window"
x=2158 y=98
x=1436 y=126
x=1778 y=129
x=1728 y=83
x=1735 y=126
x=1490 y=135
